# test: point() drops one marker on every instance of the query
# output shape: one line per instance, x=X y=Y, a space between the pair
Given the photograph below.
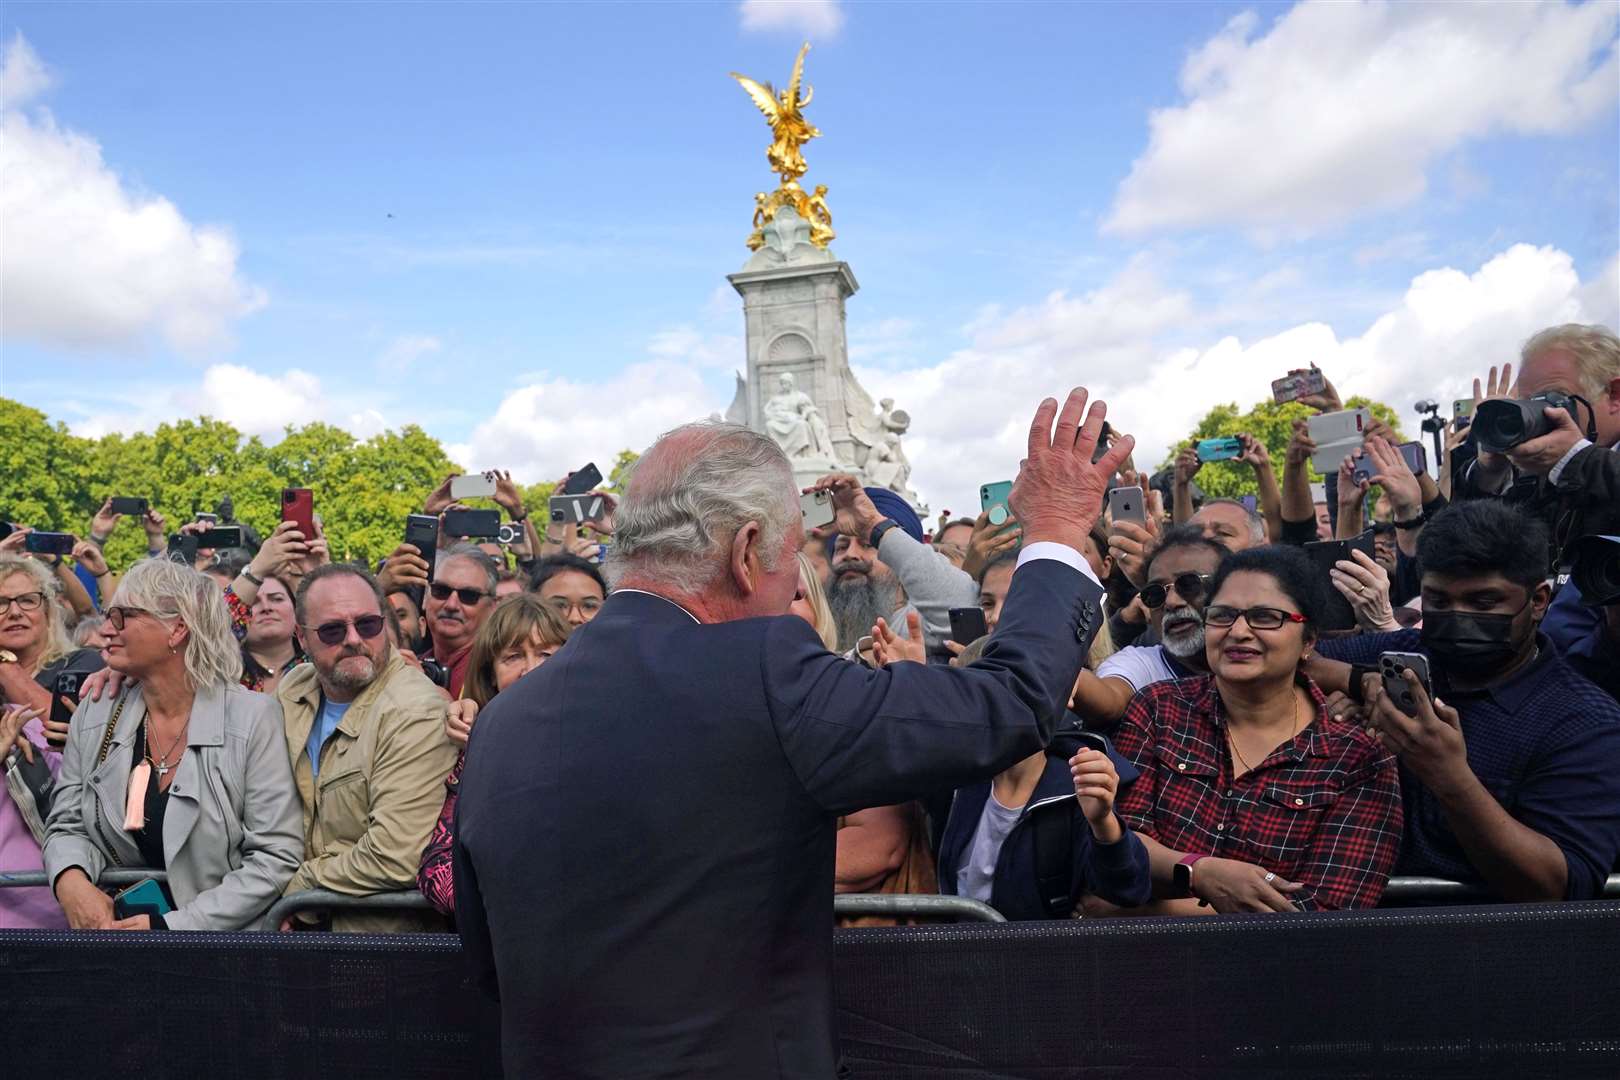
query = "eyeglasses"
x=562 y=604
x=28 y=601
x=468 y=597
x=1188 y=586
x=1258 y=618
x=117 y=615
x=335 y=633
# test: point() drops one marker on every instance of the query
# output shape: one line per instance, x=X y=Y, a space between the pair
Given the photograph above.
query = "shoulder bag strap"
x=101 y=756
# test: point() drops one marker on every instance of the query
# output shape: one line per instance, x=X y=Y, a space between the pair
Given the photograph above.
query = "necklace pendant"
x=163 y=769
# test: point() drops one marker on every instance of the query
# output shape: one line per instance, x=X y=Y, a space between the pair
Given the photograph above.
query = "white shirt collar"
x=665 y=599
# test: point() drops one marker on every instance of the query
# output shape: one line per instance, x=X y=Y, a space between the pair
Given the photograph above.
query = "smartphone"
x=511 y=532
x=221 y=536
x=69 y=684
x=211 y=519
x=993 y=501
x=1092 y=740
x=1337 y=614
x=1393 y=667
x=1462 y=407
x=49 y=543
x=422 y=530
x=298 y=506
x=1363 y=470
x=1298 y=384
x=1336 y=434
x=967 y=625
x=576 y=509
x=125 y=505
x=586 y=479
x=1251 y=503
x=183 y=545
x=1222 y=449
x=1415 y=456
x=816 y=508
x=142 y=898
x=1125 y=504
x=483 y=524
x=472 y=486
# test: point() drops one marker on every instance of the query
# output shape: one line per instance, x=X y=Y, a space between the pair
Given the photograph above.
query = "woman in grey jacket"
x=185 y=772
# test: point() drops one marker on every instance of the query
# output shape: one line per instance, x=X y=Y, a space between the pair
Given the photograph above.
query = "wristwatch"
x=1181 y=874
x=879 y=529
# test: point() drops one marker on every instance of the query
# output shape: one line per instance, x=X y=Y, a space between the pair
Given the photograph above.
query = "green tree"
x=1267 y=421
x=47 y=481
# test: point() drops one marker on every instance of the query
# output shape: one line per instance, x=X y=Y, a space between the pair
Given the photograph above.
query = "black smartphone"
x=69 y=684
x=1338 y=614
x=422 y=530
x=184 y=545
x=49 y=543
x=1393 y=666
x=967 y=625
x=220 y=536
x=122 y=504
x=586 y=479
x=483 y=524
x=1092 y=740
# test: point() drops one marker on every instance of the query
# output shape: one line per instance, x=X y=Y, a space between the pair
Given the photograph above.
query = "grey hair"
x=57 y=641
x=477 y=555
x=170 y=589
x=690 y=494
x=1257 y=524
x=1595 y=348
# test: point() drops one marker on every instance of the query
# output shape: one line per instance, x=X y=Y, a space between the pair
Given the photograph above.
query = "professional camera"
x=1596 y=570
x=1503 y=423
x=437 y=673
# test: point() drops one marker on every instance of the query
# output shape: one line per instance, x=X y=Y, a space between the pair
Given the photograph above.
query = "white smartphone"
x=1336 y=435
x=817 y=508
x=471 y=487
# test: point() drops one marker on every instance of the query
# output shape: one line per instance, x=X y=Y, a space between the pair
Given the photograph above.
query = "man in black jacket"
x=645 y=835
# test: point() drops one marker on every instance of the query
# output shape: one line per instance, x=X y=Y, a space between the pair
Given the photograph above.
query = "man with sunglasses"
x=458 y=601
x=1178 y=576
x=365 y=731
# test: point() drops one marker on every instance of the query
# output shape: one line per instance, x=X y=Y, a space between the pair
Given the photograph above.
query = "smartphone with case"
x=583 y=480
x=817 y=509
x=1298 y=384
x=1125 y=504
x=49 y=543
x=142 y=898
x=1364 y=469
x=220 y=536
x=993 y=501
x=483 y=524
x=1222 y=449
x=207 y=518
x=576 y=509
x=422 y=532
x=1392 y=666
x=1336 y=434
x=1337 y=614
x=298 y=507
x=1416 y=457
x=967 y=625
x=125 y=505
x=69 y=684
x=473 y=486
x=1462 y=408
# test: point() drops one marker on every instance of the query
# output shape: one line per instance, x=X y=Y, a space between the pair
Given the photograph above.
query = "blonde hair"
x=826 y=626
x=514 y=620
x=58 y=643
x=1595 y=348
x=1102 y=647
x=171 y=590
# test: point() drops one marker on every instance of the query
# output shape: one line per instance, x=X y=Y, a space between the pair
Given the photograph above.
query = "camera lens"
x=1596 y=570
x=1501 y=424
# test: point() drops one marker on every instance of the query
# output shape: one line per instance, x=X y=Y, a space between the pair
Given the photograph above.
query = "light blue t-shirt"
x=326 y=722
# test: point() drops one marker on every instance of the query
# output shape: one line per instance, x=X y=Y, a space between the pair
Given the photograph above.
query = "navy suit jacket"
x=644 y=839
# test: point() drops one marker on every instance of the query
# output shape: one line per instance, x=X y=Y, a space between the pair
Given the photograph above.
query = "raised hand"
x=439 y=498
x=989 y=543
x=1096 y=783
x=1254 y=453
x=1187 y=465
x=888 y=647
x=1059 y=492
x=105 y=521
x=1365 y=584
x=854 y=512
x=89 y=556
x=1398 y=481
x=403 y=568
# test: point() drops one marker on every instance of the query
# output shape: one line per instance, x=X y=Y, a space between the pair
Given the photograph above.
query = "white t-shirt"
x=1139 y=665
x=977 y=874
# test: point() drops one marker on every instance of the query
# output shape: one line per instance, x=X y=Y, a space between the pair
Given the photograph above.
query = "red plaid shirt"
x=1323 y=810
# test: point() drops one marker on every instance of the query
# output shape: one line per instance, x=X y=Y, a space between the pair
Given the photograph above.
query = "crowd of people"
x=1254 y=728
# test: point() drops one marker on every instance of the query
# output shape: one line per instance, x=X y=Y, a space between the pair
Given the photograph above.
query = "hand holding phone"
x=125 y=505
x=298 y=507
x=1126 y=504
x=968 y=625
x=816 y=507
x=1392 y=668
x=472 y=486
x=49 y=543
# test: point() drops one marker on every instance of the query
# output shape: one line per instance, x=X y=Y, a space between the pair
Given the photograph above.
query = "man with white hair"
x=645 y=836
x=1231 y=524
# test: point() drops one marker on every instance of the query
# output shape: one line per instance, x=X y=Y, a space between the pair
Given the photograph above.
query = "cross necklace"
x=162 y=762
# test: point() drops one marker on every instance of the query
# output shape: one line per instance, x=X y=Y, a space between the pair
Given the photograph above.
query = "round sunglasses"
x=335 y=633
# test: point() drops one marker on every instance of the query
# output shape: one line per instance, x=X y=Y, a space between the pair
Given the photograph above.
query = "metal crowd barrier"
x=327 y=900
x=35 y=879
x=913 y=905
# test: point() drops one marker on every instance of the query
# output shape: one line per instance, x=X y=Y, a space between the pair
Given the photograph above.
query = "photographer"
x=1510 y=771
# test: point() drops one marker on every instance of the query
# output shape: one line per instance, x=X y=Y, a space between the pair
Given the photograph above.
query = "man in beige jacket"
x=365 y=732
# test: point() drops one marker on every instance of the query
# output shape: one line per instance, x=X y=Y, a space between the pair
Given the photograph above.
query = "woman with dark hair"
x=270 y=645
x=1251 y=797
x=571 y=586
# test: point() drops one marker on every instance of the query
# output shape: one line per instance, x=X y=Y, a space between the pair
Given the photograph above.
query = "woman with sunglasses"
x=183 y=771
x=522 y=633
x=1251 y=796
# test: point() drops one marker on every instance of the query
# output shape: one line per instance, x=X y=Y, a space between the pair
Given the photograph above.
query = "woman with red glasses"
x=1251 y=797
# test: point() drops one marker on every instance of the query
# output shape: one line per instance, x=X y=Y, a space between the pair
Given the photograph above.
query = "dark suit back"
x=645 y=835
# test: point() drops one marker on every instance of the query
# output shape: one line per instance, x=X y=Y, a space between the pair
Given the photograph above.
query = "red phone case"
x=298 y=505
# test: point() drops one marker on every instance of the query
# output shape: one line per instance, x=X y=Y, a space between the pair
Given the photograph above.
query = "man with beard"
x=1178 y=576
x=365 y=731
x=1510 y=770
x=863 y=588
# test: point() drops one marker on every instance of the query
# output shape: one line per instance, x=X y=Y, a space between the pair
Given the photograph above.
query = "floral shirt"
x=434 y=878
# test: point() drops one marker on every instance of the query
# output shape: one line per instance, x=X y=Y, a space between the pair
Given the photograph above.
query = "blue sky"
x=1170 y=203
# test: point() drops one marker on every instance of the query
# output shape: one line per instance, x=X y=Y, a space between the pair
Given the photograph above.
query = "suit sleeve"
x=857 y=738
x=471 y=921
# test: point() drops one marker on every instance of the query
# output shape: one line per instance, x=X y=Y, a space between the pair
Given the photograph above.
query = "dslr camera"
x=1596 y=569
x=437 y=673
x=1503 y=423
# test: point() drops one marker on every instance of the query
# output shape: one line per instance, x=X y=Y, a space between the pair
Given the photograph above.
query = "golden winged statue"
x=784 y=111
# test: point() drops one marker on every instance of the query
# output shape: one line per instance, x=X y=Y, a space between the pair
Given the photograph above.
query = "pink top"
x=26 y=909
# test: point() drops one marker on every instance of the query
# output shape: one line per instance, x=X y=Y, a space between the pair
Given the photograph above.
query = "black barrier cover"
x=1436 y=994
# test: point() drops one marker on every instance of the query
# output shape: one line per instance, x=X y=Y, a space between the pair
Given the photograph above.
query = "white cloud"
x=89 y=262
x=1341 y=108
x=406 y=349
x=818 y=18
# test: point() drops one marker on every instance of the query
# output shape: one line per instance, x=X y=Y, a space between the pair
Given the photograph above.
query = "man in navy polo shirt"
x=1510 y=773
